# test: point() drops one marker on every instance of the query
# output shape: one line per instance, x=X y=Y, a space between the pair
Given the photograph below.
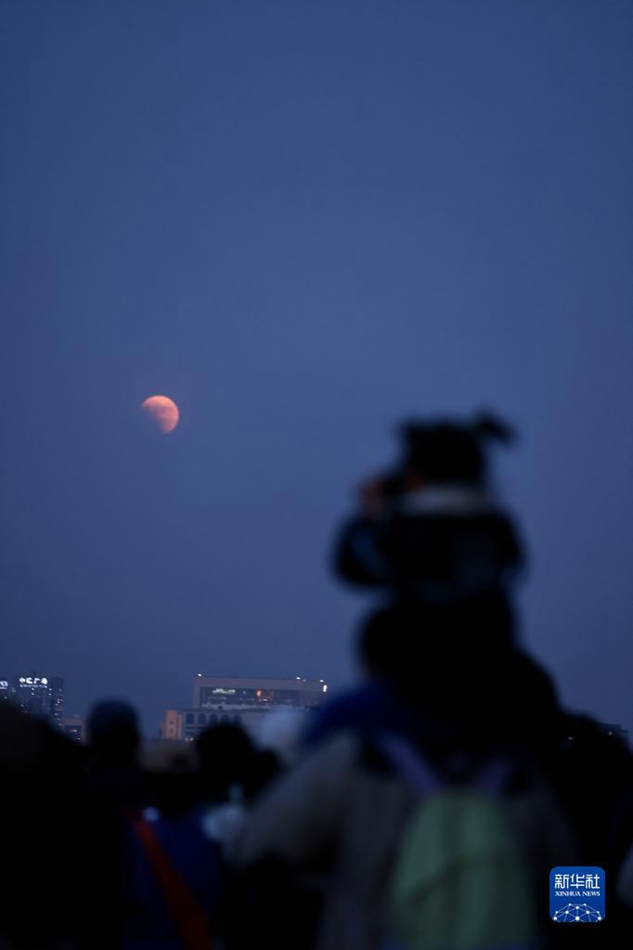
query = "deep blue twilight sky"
x=302 y=220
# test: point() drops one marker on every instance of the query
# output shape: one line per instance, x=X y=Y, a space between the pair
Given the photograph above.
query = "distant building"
x=172 y=726
x=40 y=696
x=613 y=729
x=239 y=700
x=74 y=728
x=227 y=692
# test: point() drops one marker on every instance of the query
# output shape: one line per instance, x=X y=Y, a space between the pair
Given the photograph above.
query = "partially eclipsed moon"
x=163 y=410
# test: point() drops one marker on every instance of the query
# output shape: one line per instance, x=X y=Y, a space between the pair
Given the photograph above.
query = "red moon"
x=164 y=412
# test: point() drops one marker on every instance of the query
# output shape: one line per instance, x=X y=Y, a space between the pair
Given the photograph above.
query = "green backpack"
x=461 y=879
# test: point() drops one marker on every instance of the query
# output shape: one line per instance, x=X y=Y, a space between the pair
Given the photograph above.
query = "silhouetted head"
x=224 y=752
x=458 y=664
x=113 y=731
x=446 y=452
x=397 y=642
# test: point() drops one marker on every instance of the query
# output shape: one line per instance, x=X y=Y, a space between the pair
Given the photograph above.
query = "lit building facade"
x=172 y=726
x=239 y=701
x=40 y=696
x=74 y=728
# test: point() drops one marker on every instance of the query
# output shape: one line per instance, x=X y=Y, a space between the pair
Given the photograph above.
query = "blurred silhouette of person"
x=225 y=752
x=431 y=532
x=40 y=831
x=114 y=741
x=443 y=555
x=114 y=789
x=174 y=875
x=233 y=772
x=344 y=809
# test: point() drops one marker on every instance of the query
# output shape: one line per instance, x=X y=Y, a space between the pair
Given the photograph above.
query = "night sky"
x=301 y=221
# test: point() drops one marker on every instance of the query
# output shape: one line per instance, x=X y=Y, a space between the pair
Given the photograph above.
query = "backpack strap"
x=188 y=915
x=412 y=765
x=492 y=777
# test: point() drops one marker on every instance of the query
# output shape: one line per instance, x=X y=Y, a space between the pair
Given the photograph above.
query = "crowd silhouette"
x=423 y=808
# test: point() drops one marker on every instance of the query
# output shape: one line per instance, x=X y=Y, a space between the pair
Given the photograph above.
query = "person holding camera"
x=431 y=533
